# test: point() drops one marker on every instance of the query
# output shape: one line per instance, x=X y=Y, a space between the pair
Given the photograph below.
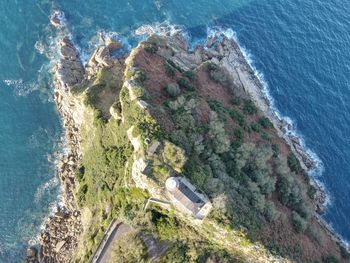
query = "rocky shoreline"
x=226 y=52
x=253 y=85
x=63 y=229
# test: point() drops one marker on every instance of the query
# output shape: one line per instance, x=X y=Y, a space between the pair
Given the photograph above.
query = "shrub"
x=83 y=189
x=79 y=174
x=344 y=253
x=265 y=136
x=130 y=248
x=265 y=122
x=174 y=156
x=299 y=224
x=314 y=233
x=170 y=70
x=330 y=259
x=190 y=74
x=271 y=212
x=216 y=106
x=166 y=225
x=238 y=117
x=212 y=66
x=256 y=127
x=173 y=89
x=267 y=184
x=311 y=192
x=161 y=170
x=217 y=133
x=138 y=91
x=176 y=253
x=239 y=134
x=185 y=84
x=294 y=164
x=236 y=101
x=218 y=75
x=151 y=47
x=139 y=76
x=275 y=150
x=256 y=199
x=249 y=107
x=283 y=190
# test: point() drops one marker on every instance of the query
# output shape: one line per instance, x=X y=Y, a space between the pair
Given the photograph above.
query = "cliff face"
x=161 y=112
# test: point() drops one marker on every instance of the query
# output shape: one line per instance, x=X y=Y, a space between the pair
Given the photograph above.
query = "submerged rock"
x=56 y=19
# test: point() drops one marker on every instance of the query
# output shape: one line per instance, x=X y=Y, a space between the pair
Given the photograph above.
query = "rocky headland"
x=105 y=92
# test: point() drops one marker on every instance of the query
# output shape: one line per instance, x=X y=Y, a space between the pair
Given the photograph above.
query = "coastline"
x=68 y=216
x=62 y=229
x=257 y=91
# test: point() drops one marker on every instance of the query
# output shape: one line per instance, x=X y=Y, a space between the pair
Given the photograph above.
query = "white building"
x=186 y=198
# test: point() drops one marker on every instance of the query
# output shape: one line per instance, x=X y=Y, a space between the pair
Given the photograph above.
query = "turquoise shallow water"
x=301 y=47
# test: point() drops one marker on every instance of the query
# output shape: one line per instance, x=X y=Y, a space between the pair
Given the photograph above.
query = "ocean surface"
x=299 y=47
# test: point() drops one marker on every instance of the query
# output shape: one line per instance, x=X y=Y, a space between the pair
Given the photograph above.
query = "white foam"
x=40 y=47
x=21 y=88
x=47 y=186
x=61 y=17
x=163 y=29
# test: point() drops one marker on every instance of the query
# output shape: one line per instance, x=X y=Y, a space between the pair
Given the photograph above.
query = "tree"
x=298 y=222
x=283 y=190
x=271 y=212
x=174 y=156
x=294 y=164
x=173 y=89
x=217 y=133
x=129 y=248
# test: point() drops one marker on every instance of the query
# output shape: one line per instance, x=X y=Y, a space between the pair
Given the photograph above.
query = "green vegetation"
x=174 y=156
x=224 y=147
x=249 y=107
x=330 y=259
x=191 y=75
x=170 y=70
x=129 y=249
x=294 y=164
x=218 y=74
x=344 y=253
x=298 y=222
x=173 y=89
x=185 y=84
x=151 y=47
x=265 y=123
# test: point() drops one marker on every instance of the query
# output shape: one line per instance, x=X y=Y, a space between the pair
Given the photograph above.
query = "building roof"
x=182 y=192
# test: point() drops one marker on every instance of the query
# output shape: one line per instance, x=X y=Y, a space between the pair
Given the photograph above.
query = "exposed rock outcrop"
x=70 y=70
x=102 y=57
x=63 y=229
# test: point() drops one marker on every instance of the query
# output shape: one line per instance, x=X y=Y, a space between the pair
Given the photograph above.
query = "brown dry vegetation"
x=279 y=233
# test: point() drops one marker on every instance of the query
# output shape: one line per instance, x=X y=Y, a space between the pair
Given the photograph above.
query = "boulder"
x=210 y=41
x=103 y=57
x=68 y=52
x=112 y=44
x=115 y=111
x=32 y=252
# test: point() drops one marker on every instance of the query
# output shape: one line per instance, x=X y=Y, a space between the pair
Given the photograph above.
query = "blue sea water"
x=300 y=47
